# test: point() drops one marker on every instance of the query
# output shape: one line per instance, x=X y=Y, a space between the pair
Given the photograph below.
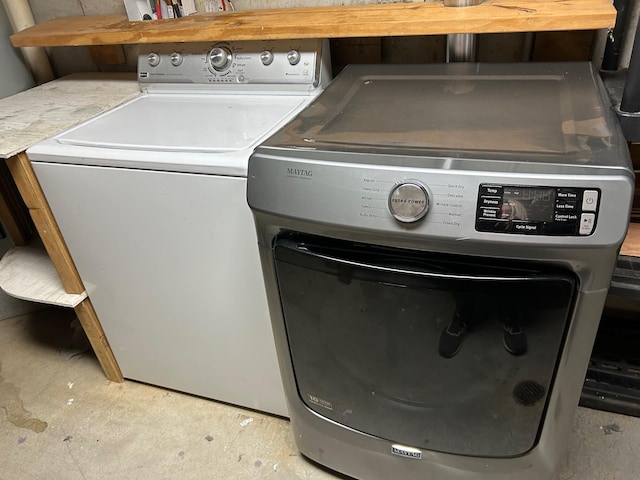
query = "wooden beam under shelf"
x=395 y=19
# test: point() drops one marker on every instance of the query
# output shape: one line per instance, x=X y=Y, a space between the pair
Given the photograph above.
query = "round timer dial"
x=220 y=58
x=409 y=201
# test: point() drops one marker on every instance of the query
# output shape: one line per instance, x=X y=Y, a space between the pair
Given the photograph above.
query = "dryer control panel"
x=539 y=210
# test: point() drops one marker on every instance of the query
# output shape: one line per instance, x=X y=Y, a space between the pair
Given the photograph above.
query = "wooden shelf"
x=27 y=273
x=396 y=19
x=631 y=245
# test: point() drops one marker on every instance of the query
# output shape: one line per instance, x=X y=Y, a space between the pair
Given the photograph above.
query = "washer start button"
x=409 y=201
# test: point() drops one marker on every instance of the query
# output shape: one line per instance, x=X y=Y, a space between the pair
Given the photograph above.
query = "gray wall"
x=14 y=74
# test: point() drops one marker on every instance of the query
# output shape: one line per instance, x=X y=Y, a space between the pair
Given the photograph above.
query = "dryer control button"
x=409 y=201
x=587 y=221
x=589 y=200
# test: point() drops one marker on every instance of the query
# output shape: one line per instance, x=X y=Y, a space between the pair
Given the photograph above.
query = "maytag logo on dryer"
x=408 y=452
x=303 y=173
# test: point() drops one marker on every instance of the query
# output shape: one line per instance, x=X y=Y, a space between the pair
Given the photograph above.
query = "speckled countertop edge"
x=46 y=110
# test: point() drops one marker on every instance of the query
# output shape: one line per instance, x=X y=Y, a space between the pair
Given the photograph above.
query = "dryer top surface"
x=542 y=113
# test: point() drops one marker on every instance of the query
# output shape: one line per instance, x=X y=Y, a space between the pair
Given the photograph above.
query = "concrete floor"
x=61 y=419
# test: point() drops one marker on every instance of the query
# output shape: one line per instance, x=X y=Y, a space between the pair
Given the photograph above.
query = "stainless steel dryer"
x=437 y=243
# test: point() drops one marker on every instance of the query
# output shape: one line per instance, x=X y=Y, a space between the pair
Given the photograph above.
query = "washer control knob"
x=153 y=59
x=266 y=57
x=176 y=59
x=409 y=201
x=220 y=58
x=293 y=56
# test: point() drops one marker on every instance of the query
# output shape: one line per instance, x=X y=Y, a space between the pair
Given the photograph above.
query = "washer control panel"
x=517 y=209
x=242 y=62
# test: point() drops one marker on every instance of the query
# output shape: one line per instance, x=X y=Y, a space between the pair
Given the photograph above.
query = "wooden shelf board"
x=27 y=273
x=631 y=245
x=395 y=19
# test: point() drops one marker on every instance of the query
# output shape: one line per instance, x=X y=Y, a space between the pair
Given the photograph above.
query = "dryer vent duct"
x=461 y=47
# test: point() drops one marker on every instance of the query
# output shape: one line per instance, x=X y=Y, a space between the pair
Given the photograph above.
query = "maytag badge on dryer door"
x=408 y=452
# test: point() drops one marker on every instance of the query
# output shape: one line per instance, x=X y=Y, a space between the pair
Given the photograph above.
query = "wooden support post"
x=33 y=196
x=91 y=326
x=44 y=221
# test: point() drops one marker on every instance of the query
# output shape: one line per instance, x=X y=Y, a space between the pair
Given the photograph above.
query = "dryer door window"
x=447 y=353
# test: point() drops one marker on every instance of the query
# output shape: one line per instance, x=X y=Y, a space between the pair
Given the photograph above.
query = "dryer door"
x=447 y=353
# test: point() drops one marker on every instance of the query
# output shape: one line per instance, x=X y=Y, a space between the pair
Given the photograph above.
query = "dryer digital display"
x=541 y=210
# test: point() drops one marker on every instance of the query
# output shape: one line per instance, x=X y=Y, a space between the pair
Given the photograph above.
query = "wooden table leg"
x=91 y=325
x=33 y=196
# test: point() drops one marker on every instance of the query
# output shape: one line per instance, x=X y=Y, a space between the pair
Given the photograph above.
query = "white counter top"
x=40 y=112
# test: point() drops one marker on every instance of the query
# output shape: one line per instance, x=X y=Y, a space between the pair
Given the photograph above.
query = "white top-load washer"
x=151 y=201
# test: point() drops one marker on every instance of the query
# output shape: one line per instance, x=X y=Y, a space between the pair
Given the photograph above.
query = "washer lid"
x=186 y=123
x=532 y=112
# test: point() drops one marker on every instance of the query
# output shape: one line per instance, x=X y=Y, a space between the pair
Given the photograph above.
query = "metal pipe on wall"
x=461 y=47
x=613 y=48
x=629 y=34
x=21 y=17
x=631 y=95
